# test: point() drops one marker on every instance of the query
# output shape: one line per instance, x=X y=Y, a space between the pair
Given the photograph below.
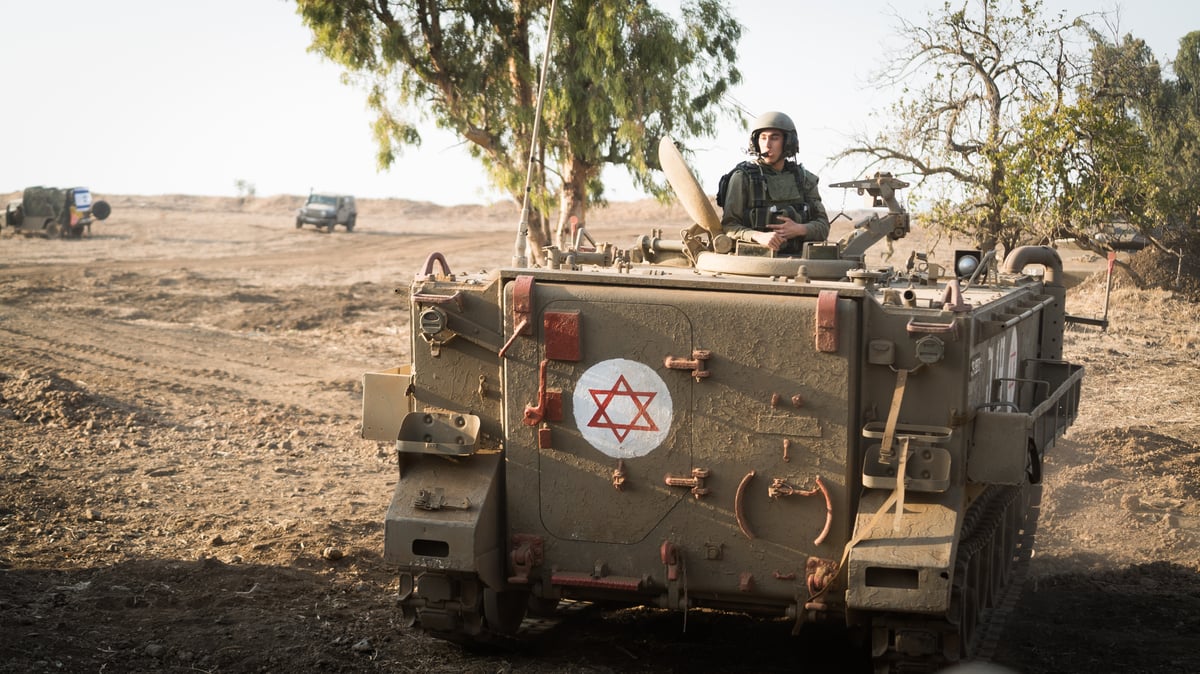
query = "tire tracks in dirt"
x=165 y=362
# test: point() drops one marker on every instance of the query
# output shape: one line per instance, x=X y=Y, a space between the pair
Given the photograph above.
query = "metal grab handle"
x=919 y=327
x=435 y=257
x=738 y=510
x=780 y=487
x=535 y=414
x=428 y=298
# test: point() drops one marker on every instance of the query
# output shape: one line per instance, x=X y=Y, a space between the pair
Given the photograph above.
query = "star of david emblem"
x=640 y=417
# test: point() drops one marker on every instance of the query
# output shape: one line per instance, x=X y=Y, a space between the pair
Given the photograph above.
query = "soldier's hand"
x=788 y=228
x=772 y=240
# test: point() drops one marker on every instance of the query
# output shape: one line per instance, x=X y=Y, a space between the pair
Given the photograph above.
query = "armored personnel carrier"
x=673 y=426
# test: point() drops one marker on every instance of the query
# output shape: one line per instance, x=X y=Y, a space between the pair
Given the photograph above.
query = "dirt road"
x=183 y=488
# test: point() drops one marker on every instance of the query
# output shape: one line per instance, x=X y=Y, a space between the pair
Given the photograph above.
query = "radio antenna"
x=519 y=257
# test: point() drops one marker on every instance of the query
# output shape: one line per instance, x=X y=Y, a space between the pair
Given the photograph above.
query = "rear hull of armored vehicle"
x=682 y=440
x=677 y=414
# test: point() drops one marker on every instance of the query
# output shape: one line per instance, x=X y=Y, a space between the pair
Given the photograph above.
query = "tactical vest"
x=758 y=213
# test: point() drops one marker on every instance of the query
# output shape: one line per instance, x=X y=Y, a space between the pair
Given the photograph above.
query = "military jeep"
x=55 y=212
x=326 y=211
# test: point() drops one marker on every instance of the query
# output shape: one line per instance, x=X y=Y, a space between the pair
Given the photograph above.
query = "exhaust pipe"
x=1046 y=256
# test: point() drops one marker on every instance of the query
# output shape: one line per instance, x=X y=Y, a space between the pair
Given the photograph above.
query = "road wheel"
x=350 y=223
x=299 y=224
x=51 y=229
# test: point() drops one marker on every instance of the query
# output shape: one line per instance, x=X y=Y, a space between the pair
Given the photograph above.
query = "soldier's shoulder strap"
x=757 y=181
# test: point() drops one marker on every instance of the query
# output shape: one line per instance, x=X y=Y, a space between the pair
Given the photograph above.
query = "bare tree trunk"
x=538 y=236
x=573 y=200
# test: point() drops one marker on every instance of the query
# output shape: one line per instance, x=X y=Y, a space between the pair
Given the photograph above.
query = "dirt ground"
x=183 y=488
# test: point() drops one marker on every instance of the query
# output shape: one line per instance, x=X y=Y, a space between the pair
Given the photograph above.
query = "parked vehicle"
x=55 y=212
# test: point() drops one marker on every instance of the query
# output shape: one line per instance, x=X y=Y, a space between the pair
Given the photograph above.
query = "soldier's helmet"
x=775 y=120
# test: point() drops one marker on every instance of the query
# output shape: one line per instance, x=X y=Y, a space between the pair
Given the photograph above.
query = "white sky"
x=172 y=97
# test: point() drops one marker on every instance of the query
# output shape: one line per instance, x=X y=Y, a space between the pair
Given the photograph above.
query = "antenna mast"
x=519 y=258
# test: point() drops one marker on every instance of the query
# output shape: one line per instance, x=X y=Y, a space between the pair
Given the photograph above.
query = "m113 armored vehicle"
x=685 y=423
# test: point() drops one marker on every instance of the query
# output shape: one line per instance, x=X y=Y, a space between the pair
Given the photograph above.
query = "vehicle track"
x=991 y=566
x=997 y=617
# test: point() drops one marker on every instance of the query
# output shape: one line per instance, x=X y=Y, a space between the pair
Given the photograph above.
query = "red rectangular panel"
x=562 y=335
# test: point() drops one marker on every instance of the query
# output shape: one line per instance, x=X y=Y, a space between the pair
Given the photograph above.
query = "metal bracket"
x=696 y=363
x=526 y=553
x=618 y=476
x=436 y=500
x=522 y=309
x=695 y=482
x=670 y=558
x=826 y=318
x=523 y=304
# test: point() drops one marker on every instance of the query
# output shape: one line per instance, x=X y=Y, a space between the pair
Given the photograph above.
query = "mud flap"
x=445 y=517
x=999 y=452
x=385 y=401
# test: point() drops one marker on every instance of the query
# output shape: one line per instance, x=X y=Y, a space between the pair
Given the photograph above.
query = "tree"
x=1172 y=121
x=622 y=74
x=1087 y=162
x=972 y=75
x=1126 y=148
x=1123 y=92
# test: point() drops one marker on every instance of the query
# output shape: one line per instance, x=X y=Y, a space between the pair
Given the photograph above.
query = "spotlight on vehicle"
x=966 y=262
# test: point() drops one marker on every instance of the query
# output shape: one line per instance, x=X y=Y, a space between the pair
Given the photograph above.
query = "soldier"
x=773 y=201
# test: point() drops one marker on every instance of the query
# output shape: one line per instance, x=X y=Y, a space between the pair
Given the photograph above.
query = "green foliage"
x=627 y=74
x=245 y=188
x=971 y=76
x=1022 y=136
x=1081 y=165
x=622 y=74
x=1125 y=149
x=1172 y=122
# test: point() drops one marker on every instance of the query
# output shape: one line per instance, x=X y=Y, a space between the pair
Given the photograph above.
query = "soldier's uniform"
x=753 y=192
x=799 y=200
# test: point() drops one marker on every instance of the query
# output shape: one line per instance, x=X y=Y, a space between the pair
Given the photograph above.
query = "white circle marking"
x=622 y=408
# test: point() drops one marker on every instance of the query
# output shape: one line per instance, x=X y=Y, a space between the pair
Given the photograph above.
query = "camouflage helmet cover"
x=775 y=120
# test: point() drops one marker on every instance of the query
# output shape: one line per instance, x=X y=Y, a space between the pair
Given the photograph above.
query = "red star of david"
x=641 y=399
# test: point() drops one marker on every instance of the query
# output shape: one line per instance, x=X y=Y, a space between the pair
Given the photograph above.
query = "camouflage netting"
x=43 y=201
